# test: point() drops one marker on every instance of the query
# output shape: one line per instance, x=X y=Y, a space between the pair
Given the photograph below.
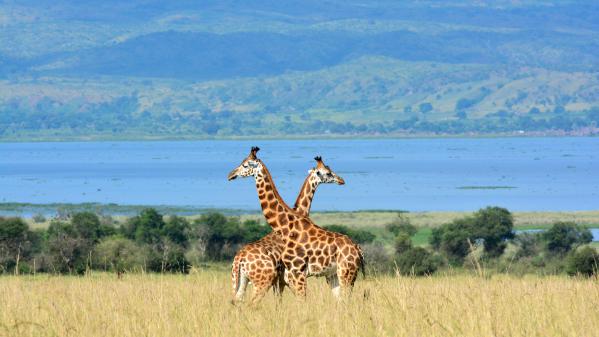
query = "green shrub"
x=403 y=243
x=491 y=225
x=564 y=236
x=87 y=226
x=119 y=254
x=147 y=227
x=357 y=235
x=452 y=239
x=39 y=218
x=494 y=225
x=67 y=251
x=215 y=233
x=401 y=225
x=254 y=230
x=378 y=259
x=175 y=229
x=168 y=257
x=417 y=261
x=16 y=243
x=529 y=244
x=584 y=261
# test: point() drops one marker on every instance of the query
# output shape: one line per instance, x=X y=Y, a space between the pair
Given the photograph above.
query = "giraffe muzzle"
x=232 y=175
x=340 y=181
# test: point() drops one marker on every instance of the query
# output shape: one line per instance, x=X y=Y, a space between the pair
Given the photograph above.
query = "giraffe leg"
x=346 y=277
x=262 y=279
x=333 y=281
x=279 y=283
x=259 y=291
x=242 y=285
x=296 y=280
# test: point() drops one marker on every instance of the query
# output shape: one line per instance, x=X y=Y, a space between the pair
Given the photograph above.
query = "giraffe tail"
x=362 y=262
x=235 y=274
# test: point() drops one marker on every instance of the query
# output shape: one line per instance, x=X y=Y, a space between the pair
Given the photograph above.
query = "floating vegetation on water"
x=486 y=187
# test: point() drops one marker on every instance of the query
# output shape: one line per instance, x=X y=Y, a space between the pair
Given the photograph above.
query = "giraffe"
x=308 y=250
x=259 y=262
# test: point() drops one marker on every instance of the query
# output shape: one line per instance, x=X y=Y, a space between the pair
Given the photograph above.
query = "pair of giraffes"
x=297 y=247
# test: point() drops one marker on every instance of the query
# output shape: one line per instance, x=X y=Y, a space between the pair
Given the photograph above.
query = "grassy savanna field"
x=198 y=305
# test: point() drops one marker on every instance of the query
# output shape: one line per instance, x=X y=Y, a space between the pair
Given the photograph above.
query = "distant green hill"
x=150 y=69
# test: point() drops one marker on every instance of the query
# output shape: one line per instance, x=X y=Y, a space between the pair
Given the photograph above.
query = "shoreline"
x=357 y=218
x=166 y=138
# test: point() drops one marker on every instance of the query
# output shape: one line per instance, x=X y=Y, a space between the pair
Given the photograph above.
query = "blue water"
x=408 y=174
x=594 y=232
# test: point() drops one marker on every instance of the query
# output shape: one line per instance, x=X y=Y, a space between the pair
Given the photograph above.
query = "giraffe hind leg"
x=333 y=281
x=242 y=284
x=346 y=277
x=279 y=283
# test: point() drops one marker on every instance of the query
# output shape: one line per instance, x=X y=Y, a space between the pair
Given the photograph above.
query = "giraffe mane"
x=274 y=187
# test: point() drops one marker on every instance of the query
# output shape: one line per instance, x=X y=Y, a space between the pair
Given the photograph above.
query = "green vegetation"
x=262 y=69
x=358 y=235
x=563 y=236
x=583 y=261
x=149 y=241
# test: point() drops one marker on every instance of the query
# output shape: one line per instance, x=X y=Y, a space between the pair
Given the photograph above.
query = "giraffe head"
x=324 y=175
x=250 y=166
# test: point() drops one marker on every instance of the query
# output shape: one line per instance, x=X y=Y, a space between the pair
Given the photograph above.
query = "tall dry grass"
x=198 y=305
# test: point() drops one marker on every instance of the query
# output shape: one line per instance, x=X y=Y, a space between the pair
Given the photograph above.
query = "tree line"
x=152 y=242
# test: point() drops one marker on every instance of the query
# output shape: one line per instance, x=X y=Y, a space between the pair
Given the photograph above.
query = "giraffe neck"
x=270 y=200
x=304 y=199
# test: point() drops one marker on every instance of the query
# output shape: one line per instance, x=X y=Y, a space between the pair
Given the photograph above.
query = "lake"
x=408 y=174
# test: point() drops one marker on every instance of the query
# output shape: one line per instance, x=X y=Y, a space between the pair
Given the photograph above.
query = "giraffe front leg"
x=296 y=279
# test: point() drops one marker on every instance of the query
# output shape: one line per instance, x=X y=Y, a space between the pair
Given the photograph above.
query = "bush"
x=401 y=225
x=67 y=252
x=563 y=236
x=452 y=239
x=377 y=258
x=417 y=261
x=15 y=242
x=119 y=254
x=146 y=227
x=39 y=218
x=87 y=226
x=214 y=234
x=168 y=257
x=491 y=225
x=584 y=261
x=357 y=235
x=175 y=229
x=494 y=225
x=254 y=230
x=529 y=244
x=403 y=243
